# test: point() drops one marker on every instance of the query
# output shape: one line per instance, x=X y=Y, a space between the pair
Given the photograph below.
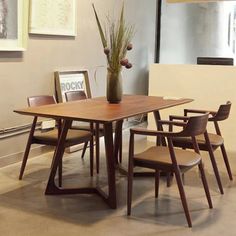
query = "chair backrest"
x=223 y=112
x=75 y=95
x=196 y=125
x=40 y=100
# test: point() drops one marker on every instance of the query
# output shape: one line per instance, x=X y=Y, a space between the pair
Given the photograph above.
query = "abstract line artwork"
x=53 y=17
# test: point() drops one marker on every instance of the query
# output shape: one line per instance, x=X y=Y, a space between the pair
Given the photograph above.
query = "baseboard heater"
x=17 y=130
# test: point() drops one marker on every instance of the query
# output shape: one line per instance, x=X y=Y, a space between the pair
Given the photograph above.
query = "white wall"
x=191 y=30
x=31 y=72
x=209 y=86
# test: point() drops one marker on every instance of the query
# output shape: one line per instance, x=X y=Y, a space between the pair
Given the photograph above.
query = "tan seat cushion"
x=73 y=136
x=215 y=139
x=161 y=155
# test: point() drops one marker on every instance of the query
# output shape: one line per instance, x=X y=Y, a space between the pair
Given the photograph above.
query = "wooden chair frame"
x=46 y=100
x=216 y=116
x=194 y=126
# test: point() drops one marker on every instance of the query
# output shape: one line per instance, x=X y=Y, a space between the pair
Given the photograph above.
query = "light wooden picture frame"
x=14 y=25
x=53 y=17
x=66 y=81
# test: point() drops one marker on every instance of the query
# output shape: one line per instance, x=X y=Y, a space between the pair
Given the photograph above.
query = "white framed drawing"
x=53 y=17
x=13 y=25
x=66 y=81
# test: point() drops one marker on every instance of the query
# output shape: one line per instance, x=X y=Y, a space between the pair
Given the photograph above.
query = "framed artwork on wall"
x=13 y=25
x=66 y=81
x=53 y=17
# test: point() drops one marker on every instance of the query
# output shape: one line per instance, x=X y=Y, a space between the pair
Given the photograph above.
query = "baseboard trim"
x=39 y=150
x=17 y=157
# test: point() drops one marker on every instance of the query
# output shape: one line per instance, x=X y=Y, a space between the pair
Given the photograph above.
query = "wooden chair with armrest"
x=167 y=158
x=51 y=137
x=208 y=141
x=98 y=128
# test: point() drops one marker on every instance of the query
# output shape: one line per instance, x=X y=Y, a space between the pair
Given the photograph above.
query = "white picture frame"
x=14 y=25
x=53 y=17
x=66 y=81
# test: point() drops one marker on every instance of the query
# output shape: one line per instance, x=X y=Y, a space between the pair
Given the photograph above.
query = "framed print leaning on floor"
x=13 y=25
x=53 y=17
x=66 y=81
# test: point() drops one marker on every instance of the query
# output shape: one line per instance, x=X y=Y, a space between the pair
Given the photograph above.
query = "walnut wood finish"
x=209 y=141
x=167 y=158
x=99 y=129
x=75 y=95
x=100 y=111
x=51 y=137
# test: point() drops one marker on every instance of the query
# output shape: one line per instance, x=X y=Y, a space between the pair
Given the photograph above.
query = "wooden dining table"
x=98 y=110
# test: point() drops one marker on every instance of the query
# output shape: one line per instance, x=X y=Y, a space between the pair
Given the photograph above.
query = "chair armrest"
x=170 y=122
x=174 y=117
x=142 y=131
x=199 y=111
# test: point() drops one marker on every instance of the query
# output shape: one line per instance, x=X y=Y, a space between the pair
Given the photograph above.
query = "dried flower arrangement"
x=116 y=37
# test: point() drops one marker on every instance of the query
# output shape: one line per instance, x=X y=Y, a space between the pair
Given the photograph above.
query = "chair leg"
x=226 y=161
x=183 y=178
x=168 y=179
x=182 y=196
x=216 y=171
x=130 y=187
x=25 y=158
x=157 y=177
x=205 y=185
x=59 y=169
x=27 y=149
x=97 y=141
x=60 y=173
x=91 y=155
x=120 y=149
x=84 y=149
x=213 y=162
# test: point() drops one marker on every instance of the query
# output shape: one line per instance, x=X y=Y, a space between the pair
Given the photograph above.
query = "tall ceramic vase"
x=114 y=86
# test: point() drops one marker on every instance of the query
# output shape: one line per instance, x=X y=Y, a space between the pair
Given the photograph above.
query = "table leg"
x=97 y=146
x=110 y=158
x=118 y=141
x=53 y=189
x=59 y=151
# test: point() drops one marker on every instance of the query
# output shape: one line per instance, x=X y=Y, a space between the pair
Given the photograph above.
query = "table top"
x=99 y=110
